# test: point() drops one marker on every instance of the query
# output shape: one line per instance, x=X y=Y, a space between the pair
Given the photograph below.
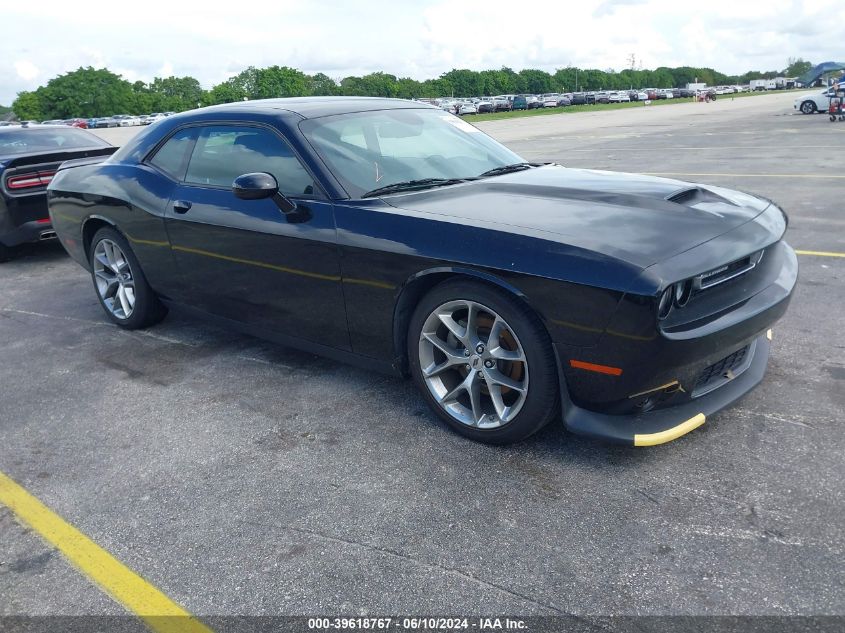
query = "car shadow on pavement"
x=180 y=340
x=36 y=252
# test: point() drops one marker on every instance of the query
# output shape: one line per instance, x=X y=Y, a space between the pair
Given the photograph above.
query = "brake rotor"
x=506 y=341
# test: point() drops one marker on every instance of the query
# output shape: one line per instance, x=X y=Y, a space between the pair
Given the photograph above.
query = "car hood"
x=638 y=219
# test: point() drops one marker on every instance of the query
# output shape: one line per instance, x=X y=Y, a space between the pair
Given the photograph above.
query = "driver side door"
x=243 y=259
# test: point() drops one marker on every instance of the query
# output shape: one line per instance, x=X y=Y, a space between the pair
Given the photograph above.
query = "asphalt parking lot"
x=243 y=477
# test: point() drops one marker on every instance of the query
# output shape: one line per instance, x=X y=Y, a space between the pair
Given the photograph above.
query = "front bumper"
x=665 y=382
x=24 y=219
x=664 y=425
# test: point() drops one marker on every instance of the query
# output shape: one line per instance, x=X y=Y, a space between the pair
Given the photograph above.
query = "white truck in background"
x=763 y=84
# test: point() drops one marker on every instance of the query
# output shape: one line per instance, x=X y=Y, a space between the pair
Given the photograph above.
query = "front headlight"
x=675 y=295
x=682 y=293
x=664 y=306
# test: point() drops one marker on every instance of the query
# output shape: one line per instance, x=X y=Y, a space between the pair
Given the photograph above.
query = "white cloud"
x=610 y=6
x=26 y=69
x=416 y=38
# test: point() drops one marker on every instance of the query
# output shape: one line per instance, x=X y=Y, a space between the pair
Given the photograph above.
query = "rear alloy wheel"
x=121 y=287
x=484 y=362
x=113 y=278
x=808 y=107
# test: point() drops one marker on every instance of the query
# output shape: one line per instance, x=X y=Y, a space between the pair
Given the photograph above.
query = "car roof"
x=313 y=107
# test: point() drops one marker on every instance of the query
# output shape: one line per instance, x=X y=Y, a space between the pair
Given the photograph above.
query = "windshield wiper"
x=413 y=185
x=507 y=169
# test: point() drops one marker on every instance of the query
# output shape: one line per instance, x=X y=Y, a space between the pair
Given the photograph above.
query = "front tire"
x=483 y=361
x=6 y=253
x=121 y=287
x=808 y=107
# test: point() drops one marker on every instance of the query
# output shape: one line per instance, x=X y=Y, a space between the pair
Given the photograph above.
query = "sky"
x=213 y=40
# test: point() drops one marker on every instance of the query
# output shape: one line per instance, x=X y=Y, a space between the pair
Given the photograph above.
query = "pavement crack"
x=774 y=417
x=434 y=566
x=269 y=363
x=648 y=496
x=53 y=316
x=744 y=535
x=730 y=502
x=160 y=337
x=146 y=333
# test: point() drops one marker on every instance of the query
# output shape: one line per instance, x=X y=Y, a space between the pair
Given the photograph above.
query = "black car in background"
x=399 y=236
x=484 y=106
x=29 y=157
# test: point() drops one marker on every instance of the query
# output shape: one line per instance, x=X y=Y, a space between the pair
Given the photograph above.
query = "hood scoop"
x=693 y=196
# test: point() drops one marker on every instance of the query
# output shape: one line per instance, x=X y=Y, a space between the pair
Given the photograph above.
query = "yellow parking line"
x=701 y=173
x=159 y=612
x=820 y=253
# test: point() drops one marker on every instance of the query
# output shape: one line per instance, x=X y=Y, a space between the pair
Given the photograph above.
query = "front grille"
x=723 y=371
x=727 y=272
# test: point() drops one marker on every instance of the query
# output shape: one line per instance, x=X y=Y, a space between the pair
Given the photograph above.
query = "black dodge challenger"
x=28 y=159
x=396 y=235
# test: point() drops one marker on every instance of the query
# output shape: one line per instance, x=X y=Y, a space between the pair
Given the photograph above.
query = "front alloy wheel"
x=113 y=276
x=483 y=361
x=473 y=364
x=808 y=107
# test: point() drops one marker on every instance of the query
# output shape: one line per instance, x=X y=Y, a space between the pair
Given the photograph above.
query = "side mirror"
x=260 y=185
x=255 y=186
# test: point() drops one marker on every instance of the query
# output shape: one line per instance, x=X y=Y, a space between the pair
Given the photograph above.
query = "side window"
x=172 y=157
x=222 y=153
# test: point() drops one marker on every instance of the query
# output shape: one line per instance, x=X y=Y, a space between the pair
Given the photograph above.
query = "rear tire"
x=119 y=282
x=483 y=361
x=6 y=253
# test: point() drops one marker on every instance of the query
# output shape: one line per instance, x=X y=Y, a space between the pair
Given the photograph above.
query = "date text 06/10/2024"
x=417 y=624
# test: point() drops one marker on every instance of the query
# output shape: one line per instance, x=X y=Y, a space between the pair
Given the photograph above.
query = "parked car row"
x=128 y=120
x=81 y=123
x=500 y=103
x=117 y=120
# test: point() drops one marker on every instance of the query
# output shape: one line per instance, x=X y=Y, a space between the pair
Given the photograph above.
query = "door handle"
x=181 y=206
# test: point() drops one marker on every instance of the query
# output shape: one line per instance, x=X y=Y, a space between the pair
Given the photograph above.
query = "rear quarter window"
x=172 y=157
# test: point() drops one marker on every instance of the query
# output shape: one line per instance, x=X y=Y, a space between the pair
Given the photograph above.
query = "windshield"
x=370 y=150
x=31 y=140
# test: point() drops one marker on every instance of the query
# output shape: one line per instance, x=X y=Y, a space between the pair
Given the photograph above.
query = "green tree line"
x=90 y=92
